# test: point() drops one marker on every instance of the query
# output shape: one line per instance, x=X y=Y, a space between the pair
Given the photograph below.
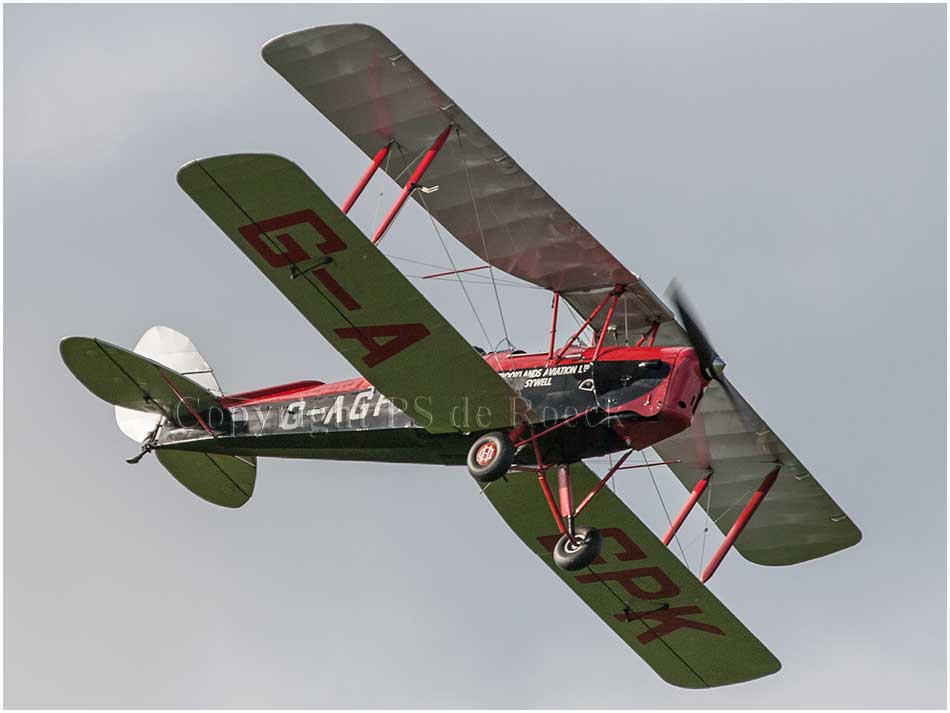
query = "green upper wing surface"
x=350 y=292
x=639 y=588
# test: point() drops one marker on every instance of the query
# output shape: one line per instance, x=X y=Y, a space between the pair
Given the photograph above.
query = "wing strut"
x=687 y=508
x=757 y=497
x=370 y=172
x=615 y=293
x=412 y=183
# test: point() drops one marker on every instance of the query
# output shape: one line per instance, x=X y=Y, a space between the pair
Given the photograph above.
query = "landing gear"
x=572 y=554
x=490 y=456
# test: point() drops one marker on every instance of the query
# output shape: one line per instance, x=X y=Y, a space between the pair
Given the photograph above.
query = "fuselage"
x=628 y=397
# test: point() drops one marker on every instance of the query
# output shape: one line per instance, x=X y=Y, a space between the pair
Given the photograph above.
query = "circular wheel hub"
x=486 y=454
x=574 y=545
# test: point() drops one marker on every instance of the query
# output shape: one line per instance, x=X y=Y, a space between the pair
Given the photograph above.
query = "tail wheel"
x=490 y=456
x=579 y=552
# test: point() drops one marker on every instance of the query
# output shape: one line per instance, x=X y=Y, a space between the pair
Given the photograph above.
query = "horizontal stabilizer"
x=124 y=378
x=220 y=479
x=176 y=351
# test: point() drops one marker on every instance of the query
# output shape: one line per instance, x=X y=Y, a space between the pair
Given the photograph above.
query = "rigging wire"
x=626 y=330
x=473 y=282
x=665 y=511
x=742 y=497
x=445 y=248
x=379 y=197
x=414 y=262
x=448 y=255
x=481 y=278
x=481 y=232
x=409 y=164
x=580 y=337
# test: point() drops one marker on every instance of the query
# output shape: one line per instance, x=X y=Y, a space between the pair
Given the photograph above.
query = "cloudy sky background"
x=786 y=163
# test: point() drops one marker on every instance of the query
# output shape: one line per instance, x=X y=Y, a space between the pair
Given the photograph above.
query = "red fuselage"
x=630 y=397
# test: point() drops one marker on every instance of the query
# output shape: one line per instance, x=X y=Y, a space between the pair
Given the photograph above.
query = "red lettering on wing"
x=401 y=336
x=294 y=253
x=645 y=583
x=670 y=620
x=631 y=551
x=336 y=289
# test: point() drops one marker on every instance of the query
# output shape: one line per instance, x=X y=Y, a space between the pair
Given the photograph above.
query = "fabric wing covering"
x=350 y=292
x=639 y=588
x=133 y=381
x=372 y=92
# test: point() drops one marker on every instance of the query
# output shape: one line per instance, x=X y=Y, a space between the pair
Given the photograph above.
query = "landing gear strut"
x=490 y=457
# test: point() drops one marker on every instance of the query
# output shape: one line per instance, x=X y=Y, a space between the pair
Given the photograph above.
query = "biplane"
x=522 y=423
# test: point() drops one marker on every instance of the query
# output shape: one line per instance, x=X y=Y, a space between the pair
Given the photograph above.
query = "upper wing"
x=374 y=94
x=350 y=292
x=639 y=588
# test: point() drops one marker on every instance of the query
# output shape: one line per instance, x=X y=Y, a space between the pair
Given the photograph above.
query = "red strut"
x=603 y=330
x=603 y=482
x=687 y=508
x=564 y=493
x=549 y=496
x=741 y=522
x=412 y=183
x=377 y=160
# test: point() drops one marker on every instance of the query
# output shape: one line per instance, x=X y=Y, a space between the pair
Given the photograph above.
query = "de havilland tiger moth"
x=522 y=423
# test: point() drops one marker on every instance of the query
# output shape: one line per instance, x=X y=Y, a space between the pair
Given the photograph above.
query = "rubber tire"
x=571 y=557
x=499 y=464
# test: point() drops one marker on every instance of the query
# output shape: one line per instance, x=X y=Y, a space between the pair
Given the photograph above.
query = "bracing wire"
x=665 y=511
x=473 y=282
x=626 y=330
x=481 y=232
x=481 y=278
x=742 y=497
x=577 y=321
x=379 y=197
x=409 y=164
x=448 y=255
x=445 y=248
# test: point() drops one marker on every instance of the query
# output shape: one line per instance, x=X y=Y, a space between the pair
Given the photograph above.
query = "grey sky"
x=786 y=163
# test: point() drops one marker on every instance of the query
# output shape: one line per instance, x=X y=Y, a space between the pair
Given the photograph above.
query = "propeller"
x=711 y=364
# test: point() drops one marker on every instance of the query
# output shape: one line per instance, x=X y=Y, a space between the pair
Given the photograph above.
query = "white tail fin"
x=176 y=351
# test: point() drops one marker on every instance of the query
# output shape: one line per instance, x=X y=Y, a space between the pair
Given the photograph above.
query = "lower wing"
x=639 y=588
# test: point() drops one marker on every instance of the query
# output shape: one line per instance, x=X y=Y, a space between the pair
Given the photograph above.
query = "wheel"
x=572 y=555
x=490 y=456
